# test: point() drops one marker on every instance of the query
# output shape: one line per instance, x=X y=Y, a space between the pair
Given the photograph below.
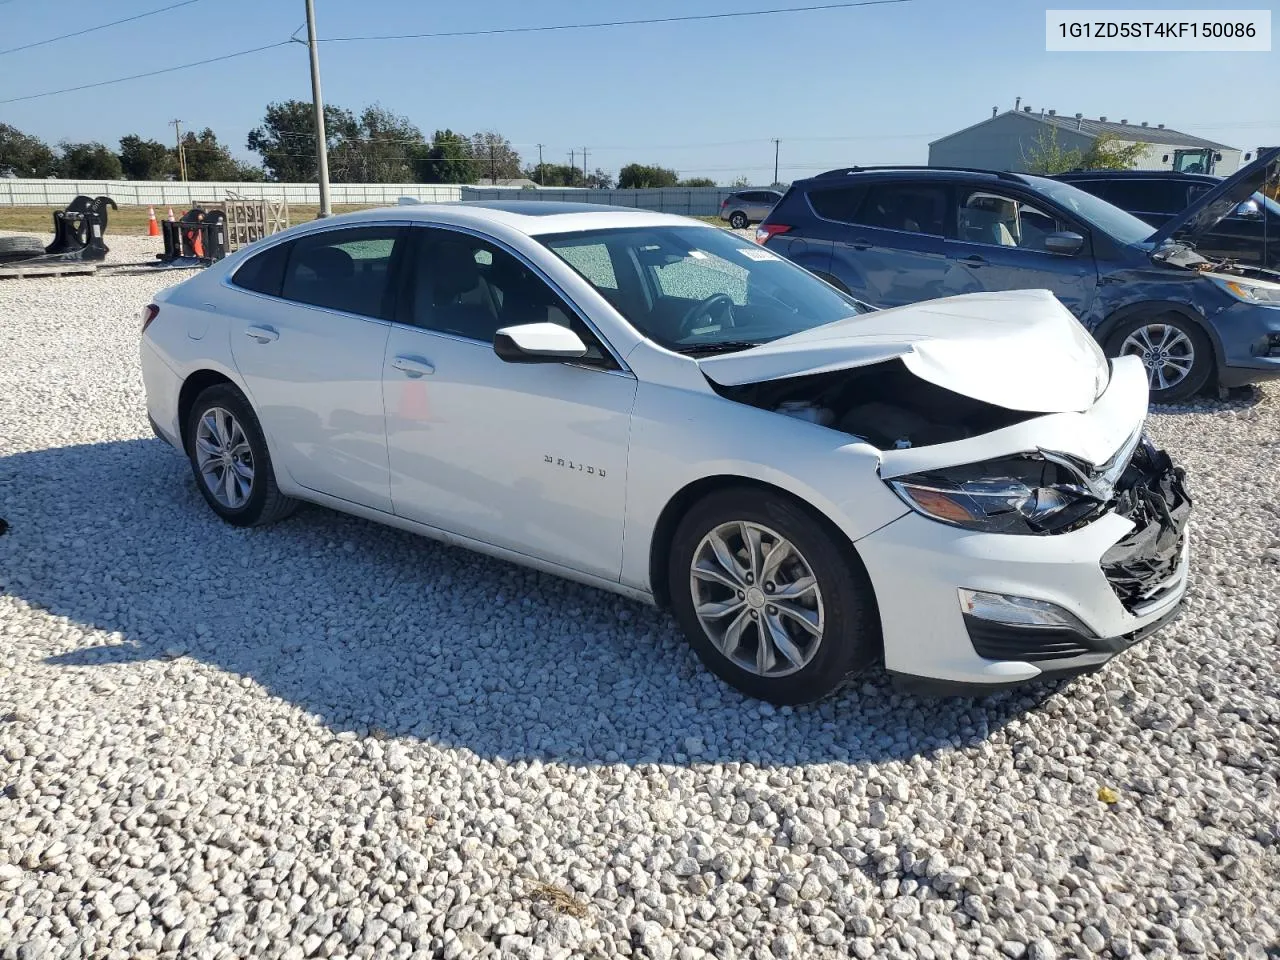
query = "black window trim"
x=621 y=366
x=393 y=281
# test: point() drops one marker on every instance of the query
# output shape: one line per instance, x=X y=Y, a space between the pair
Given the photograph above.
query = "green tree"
x=635 y=175
x=88 y=161
x=494 y=156
x=447 y=159
x=1048 y=156
x=207 y=159
x=380 y=147
x=555 y=175
x=24 y=155
x=145 y=159
x=286 y=140
x=599 y=180
x=1109 y=152
x=740 y=181
x=697 y=182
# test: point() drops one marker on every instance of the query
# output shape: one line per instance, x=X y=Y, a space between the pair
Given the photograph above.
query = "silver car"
x=746 y=207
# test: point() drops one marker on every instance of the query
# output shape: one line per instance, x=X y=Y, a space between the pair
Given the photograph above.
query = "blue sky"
x=870 y=85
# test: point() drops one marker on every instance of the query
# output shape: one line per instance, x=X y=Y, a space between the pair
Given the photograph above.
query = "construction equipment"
x=199 y=238
x=77 y=236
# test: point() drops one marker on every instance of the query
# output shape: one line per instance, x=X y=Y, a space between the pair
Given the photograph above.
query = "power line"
x=113 y=23
x=150 y=73
x=619 y=23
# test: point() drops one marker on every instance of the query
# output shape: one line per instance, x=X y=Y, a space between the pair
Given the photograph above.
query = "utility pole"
x=317 y=105
x=493 y=168
x=584 y=166
x=776 y=141
x=573 y=165
x=182 y=155
x=540 y=174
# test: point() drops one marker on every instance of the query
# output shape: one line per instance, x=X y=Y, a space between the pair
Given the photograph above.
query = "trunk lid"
x=1208 y=211
x=1020 y=349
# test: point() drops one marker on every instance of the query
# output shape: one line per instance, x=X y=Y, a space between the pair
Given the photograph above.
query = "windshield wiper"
x=724 y=346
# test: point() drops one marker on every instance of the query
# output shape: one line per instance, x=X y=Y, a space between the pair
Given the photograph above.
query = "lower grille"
x=998 y=641
x=1152 y=494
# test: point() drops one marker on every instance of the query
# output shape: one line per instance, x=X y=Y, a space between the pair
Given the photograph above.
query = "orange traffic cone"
x=153 y=228
x=171 y=214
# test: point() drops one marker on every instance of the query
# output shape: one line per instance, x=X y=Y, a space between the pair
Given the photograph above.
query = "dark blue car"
x=897 y=235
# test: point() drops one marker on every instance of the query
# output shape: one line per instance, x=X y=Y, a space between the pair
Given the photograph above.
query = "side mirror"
x=1065 y=242
x=1249 y=209
x=538 y=343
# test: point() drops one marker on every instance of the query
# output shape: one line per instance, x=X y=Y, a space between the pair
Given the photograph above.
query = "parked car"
x=746 y=207
x=1250 y=234
x=896 y=235
x=657 y=407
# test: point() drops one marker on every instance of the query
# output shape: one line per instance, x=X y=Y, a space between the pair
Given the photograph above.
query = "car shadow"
x=380 y=632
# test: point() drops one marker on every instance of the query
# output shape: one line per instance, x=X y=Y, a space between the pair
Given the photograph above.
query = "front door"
x=311 y=359
x=999 y=244
x=529 y=457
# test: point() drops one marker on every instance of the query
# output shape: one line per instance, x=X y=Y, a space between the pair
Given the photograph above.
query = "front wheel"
x=1176 y=353
x=738 y=220
x=770 y=600
x=229 y=458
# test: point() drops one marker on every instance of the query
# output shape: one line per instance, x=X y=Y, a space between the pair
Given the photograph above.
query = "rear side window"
x=837 y=203
x=264 y=272
x=1148 y=196
x=348 y=270
x=911 y=208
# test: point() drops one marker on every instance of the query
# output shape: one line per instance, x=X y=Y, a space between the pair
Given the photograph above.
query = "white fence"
x=58 y=193
x=690 y=201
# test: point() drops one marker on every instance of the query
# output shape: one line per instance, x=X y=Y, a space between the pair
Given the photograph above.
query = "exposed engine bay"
x=854 y=401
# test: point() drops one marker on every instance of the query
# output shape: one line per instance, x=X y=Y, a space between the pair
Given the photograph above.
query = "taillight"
x=767 y=230
x=149 y=313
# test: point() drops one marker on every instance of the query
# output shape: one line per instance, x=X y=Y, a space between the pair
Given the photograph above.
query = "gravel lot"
x=328 y=738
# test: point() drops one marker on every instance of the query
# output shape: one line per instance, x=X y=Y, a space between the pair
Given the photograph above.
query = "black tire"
x=851 y=638
x=738 y=220
x=20 y=248
x=265 y=503
x=1203 y=360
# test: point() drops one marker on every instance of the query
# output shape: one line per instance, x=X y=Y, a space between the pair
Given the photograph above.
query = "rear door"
x=999 y=244
x=890 y=249
x=310 y=348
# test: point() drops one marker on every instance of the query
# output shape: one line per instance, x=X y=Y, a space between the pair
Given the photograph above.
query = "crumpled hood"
x=1208 y=210
x=1020 y=349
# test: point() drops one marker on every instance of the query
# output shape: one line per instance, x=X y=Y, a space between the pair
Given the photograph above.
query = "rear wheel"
x=769 y=599
x=1176 y=353
x=738 y=220
x=229 y=458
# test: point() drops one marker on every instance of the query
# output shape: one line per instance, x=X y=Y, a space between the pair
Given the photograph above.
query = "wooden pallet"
x=20 y=270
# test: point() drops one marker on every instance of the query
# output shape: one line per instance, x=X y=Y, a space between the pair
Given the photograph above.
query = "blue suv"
x=897 y=235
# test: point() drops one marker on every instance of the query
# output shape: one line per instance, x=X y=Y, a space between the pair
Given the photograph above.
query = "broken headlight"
x=1026 y=494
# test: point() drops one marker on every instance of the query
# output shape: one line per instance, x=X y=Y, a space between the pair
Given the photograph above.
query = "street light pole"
x=317 y=104
x=182 y=156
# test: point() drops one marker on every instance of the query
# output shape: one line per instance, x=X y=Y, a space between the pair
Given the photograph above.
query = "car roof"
x=1135 y=175
x=847 y=174
x=530 y=217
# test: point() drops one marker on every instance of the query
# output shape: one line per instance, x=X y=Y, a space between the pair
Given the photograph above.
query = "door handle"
x=412 y=366
x=973 y=260
x=860 y=244
x=261 y=334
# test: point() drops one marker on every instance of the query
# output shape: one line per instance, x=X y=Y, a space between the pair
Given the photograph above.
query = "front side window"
x=467 y=287
x=347 y=270
x=1004 y=221
x=911 y=208
x=701 y=290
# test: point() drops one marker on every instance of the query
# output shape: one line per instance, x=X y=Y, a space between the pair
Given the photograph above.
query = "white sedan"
x=657 y=407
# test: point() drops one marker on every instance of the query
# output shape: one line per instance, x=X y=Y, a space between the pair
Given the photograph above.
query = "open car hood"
x=1021 y=350
x=1218 y=203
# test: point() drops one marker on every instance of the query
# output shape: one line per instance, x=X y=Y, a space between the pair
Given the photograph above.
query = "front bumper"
x=1123 y=577
x=1250 y=337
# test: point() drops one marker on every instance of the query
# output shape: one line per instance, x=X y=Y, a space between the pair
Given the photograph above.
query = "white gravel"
x=328 y=738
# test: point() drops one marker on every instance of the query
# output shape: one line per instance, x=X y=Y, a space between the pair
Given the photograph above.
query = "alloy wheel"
x=1166 y=352
x=757 y=599
x=224 y=458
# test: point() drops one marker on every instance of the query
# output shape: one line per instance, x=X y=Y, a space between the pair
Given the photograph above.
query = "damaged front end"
x=1143 y=567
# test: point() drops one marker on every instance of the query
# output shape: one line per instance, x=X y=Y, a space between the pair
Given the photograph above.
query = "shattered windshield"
x=701 y=290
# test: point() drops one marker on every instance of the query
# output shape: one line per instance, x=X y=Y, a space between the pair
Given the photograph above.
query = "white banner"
x=1138 y=31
